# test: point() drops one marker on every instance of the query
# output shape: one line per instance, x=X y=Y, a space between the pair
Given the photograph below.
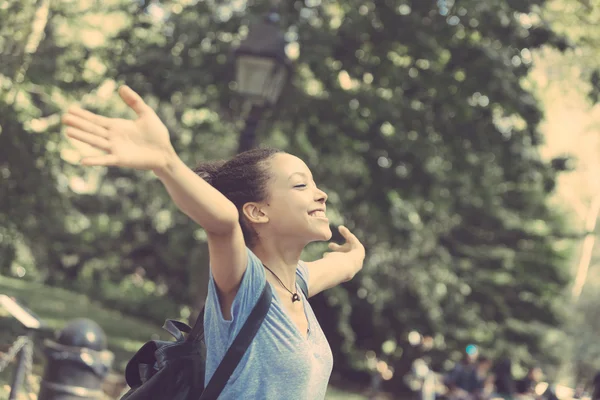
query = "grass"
x=58 y=306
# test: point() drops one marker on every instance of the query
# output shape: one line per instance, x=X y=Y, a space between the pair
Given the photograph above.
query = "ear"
x=254 y=213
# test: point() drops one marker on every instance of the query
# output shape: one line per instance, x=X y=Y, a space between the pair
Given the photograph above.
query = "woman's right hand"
x=140 y=144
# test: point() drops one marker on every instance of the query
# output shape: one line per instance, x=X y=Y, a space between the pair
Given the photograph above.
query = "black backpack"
x=167 y=370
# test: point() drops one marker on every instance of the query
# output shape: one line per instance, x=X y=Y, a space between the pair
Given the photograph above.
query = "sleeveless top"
x=281 y=362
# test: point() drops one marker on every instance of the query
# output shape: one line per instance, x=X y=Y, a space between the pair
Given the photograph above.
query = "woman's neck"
x=281 y=259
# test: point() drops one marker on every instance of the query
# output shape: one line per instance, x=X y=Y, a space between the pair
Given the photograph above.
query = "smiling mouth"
x=317 y=214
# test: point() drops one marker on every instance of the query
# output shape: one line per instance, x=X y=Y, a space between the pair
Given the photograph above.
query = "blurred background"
x=458 y=139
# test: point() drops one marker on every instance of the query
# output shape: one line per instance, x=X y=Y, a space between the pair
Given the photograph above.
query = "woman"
x=259 y=209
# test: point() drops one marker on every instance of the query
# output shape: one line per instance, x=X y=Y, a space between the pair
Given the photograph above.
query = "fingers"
x=334 y=246
x=346 y=247
x=133 y=100
x=88 y=138
x=103 y=160
x=87 y=116
x=349 y=236
x=350 y=241
x=84 y=125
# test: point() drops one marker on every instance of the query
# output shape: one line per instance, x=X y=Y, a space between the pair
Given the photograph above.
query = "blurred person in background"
x=461 y=380
x=504 y=383
x=596 y=387
x=483 y=386
x=526 y=386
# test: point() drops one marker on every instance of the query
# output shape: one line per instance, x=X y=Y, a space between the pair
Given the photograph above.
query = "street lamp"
x=262 y=71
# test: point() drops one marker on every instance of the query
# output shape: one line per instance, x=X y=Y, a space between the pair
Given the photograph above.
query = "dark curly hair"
x=242 y=179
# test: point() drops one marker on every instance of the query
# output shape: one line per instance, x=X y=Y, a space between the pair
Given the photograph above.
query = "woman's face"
x=296 y=206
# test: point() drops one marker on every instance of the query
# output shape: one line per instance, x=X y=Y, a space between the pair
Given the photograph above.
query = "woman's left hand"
x=337 y=266
x=353 y=247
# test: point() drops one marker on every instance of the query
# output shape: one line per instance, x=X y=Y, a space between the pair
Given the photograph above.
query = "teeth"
x=318 y=214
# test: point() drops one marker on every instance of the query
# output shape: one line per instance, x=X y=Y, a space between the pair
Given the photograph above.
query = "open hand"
x=352 y=247
x=339 y=265
x=140 y=144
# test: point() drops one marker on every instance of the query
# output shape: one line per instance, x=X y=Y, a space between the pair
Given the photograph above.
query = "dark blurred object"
x=594 y=93
x=596 y=387
x=528 y=384
x=77 y=363
x=505 y=385
x=563 y=163
x=262 y=71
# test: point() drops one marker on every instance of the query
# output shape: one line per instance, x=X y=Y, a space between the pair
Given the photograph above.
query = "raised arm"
x=218 y=216
x=338 y=266
x=145 y=144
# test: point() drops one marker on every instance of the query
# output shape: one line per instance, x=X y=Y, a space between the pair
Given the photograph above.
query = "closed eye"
x=300 y=186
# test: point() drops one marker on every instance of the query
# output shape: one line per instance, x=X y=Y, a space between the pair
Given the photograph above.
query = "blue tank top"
x=281 y=362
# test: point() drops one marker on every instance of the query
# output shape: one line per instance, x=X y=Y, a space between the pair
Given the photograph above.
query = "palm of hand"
x=138 y=144
x=141 y=144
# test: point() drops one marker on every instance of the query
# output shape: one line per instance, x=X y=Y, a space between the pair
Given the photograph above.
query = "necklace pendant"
x=295 y=297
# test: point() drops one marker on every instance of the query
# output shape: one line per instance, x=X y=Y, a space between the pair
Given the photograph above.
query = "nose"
x=321 y=196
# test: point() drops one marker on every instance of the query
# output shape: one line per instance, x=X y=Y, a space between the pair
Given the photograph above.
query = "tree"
x=566 y=85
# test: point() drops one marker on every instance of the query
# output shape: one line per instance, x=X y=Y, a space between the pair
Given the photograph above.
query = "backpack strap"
x=303 y=285
x=239 y=346
x=198 y=329
x=176 y=329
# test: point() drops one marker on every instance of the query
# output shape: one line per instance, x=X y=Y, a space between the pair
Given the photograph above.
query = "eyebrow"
x=298 y=173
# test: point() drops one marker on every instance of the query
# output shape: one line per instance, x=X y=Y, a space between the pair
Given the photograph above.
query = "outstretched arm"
x=144 y=144
x=338 y=266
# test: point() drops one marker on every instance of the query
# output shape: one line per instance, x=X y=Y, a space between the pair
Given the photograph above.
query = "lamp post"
x=262 y=71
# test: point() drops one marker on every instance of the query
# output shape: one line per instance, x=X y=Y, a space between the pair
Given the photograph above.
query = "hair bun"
x=209 y=171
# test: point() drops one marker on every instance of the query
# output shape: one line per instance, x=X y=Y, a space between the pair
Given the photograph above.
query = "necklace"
x=295 y=296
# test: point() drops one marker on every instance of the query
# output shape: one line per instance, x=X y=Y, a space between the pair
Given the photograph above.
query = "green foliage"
x=417 y=124
x=577 y=20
